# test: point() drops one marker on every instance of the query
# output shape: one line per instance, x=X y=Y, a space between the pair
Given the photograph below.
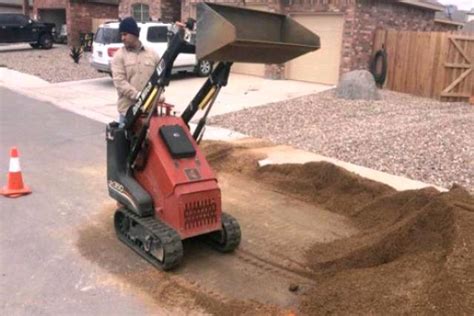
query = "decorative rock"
x=419 y=138
x=356 y=85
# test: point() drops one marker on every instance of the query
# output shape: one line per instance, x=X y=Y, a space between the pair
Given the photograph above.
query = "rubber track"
x=172 y=244
x=234 y=234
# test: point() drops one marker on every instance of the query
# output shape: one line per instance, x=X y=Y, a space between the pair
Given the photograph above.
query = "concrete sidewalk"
x=96 y=99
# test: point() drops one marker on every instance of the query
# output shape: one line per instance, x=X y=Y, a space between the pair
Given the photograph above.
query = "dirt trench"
x=342 y=243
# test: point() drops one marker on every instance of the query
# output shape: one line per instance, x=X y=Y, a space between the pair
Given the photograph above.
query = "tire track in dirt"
x=281 y=227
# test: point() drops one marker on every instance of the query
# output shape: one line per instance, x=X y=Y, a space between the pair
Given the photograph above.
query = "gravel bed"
x=53 y=65
x=418 y=138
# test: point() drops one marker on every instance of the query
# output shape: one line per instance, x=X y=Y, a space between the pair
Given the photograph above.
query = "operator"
x=132 y=67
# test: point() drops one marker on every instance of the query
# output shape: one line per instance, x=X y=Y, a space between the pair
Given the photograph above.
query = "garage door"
x=56 y=16
x=250 y=68
x=321 y=66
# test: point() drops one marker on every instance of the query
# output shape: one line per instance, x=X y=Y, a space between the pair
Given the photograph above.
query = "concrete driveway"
x=96 y=98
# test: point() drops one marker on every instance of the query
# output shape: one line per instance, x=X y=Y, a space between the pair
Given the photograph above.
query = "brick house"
x=346 y=28
x=78 y=15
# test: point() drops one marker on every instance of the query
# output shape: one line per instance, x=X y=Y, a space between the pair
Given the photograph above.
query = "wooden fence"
x=429 y=64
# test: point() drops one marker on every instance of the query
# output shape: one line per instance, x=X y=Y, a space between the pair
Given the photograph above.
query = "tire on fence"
x=379 y=74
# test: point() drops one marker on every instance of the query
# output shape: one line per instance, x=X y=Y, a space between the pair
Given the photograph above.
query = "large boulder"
x=357 y=85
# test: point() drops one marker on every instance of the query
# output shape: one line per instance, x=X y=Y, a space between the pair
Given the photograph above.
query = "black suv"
x=19 y=28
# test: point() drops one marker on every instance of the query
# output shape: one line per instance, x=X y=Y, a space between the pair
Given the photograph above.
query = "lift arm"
x=153 y=90
x=206 y=96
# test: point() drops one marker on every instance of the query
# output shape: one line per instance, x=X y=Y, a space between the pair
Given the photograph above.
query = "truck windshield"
x=107 y=35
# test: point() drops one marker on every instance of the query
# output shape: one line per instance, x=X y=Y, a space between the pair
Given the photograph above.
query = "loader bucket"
x=234 y=34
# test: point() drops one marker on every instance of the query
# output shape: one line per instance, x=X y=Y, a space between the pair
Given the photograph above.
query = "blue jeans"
x=121 y=120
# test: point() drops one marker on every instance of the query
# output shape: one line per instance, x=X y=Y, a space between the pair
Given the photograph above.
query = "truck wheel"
x=46 y=41
x=203 y=68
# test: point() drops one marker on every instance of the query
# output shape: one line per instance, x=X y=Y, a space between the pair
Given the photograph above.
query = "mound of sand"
x=415 y=252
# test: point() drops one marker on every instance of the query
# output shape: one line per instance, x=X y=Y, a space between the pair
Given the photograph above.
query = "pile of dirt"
x=415 y=252
x=411 y=252
x=414 y=256
x=320 y=183
x=233 y=158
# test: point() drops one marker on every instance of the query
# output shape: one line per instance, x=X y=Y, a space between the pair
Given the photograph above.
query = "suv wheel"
x=46 y=41
x=203 y=68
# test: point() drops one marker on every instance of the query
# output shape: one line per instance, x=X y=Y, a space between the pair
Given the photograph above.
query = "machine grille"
x=200 y=213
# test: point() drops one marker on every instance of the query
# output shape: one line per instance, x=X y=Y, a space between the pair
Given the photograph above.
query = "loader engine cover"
x=177 y=141
x=185 y=192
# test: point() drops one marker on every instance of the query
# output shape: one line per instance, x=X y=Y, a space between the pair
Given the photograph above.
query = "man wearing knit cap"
x=132 y=66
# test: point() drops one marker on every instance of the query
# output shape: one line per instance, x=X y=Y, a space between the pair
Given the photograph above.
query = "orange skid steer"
x=155 y=168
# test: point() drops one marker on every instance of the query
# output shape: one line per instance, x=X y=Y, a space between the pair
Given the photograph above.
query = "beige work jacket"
x=131 y=70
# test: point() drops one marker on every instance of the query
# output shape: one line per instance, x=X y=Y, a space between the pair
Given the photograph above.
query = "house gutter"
x=444 y=21
x=16 y=6
x=424 y=5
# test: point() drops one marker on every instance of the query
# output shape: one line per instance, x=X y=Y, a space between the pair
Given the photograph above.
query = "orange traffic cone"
x=15 y=186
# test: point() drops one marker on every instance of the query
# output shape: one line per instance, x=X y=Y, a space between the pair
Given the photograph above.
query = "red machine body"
x=164 y=186
x=185 y=192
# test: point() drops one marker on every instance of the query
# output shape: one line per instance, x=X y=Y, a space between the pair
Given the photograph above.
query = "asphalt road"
x=62 y=157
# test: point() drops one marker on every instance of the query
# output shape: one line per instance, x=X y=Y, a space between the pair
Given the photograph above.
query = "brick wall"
x=316 y=5
x=170 y=10
x=188 y=7
x=125 y=8
x=371 y=15
x=164 y=10
x=48 y=4
x=79 y=15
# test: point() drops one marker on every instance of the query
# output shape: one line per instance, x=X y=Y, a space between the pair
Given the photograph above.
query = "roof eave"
x=9 y=5
x=449 y=22
x=424 y=5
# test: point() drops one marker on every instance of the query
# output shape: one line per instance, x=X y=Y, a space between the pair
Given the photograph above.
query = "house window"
x=140 y=12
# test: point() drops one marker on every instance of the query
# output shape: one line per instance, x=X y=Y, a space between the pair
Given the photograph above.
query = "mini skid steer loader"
x=155 y=169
